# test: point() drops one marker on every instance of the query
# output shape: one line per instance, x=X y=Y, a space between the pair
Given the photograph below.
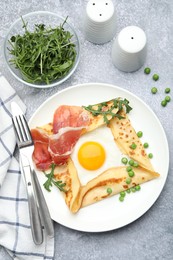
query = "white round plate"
x=110 y=213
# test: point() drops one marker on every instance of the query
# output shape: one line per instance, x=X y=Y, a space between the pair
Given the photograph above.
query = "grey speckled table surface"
x=151 y=236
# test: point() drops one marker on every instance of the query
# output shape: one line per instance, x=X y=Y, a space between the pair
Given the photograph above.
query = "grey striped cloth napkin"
x=15 y=230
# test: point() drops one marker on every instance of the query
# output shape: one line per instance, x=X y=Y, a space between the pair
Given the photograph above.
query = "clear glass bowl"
x=48 y=19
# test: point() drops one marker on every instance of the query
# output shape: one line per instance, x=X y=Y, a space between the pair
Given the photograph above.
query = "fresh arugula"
x=117 y=103
x=48 y=184
x=44 y=55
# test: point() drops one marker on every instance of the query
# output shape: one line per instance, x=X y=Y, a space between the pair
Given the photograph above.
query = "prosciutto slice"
x=69 y=116
x=61 y=144
x=41 y=155
x=68 y=123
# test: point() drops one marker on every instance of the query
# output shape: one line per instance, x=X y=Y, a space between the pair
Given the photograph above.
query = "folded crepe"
x=114 y=179
x=77 y=195
x=124 y=136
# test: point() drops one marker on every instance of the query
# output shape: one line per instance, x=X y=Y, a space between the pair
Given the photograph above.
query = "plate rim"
x=80 y=85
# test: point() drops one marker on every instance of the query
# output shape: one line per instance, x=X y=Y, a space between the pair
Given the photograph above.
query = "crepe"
x=95 y=121
x=78 y=196
x=124 y=136
x=113 y=178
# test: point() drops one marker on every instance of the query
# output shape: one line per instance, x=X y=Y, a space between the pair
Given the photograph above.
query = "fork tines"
x=22 y=131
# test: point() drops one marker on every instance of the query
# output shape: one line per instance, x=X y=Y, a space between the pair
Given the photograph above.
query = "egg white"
x=102 y=135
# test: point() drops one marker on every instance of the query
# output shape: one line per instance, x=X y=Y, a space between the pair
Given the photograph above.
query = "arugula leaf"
x=125 y=102
x=43 y=55
x=60 y=185
x=51 y=180
x=117 y=103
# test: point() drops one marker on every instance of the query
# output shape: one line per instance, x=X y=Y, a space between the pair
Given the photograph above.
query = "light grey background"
x=151 y=236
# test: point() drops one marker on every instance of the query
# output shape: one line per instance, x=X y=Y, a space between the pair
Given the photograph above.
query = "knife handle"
x=35 y=221
x=46 y=218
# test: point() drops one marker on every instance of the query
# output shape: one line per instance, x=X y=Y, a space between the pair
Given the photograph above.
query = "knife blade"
x=35 y=219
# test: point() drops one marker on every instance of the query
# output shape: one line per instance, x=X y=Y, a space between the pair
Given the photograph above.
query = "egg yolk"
x=91 y=155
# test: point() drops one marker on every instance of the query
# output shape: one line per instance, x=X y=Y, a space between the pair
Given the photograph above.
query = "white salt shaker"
x=100 y=21
x=129 y=49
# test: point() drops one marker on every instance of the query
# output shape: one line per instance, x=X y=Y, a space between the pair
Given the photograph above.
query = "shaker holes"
x=105 y=3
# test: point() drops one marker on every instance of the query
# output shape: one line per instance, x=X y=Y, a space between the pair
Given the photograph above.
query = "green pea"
x=163 y=103
x=150 y=155
x=131 y=173
x=133 y=146
x=122 y=194
x=136 y=164
x=167 y=98
x=137 y=187
x=146 y=145
x=139 y=134
x=147 y=70
x=129 y=168
x=154 y=90
x=167 y=90
x=128 y=181
x=128 y=191
x=155 y=77
x=131 y=162
x=109 y=190
x=121 y=198
x=124 y=160
x=133 y=189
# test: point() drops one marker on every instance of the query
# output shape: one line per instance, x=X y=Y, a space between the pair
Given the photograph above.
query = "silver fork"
x=37 y=205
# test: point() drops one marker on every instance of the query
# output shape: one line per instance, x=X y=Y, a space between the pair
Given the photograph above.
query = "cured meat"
x=41 y=155
x=68 y=123
x=69 y=116
x=39 y=135
x=61 y=144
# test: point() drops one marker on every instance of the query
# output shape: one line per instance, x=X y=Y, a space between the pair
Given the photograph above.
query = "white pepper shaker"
x=100 y=21
x=129 y=49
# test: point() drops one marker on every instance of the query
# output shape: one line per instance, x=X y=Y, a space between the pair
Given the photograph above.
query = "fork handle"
x=46 y=218
x=35 y=221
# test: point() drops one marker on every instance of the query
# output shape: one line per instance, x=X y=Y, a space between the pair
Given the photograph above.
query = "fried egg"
x=94 y=153
x=91 y=155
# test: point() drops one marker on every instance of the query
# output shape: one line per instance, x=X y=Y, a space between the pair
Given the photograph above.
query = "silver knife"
x=35 y=220
x=26 y=148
